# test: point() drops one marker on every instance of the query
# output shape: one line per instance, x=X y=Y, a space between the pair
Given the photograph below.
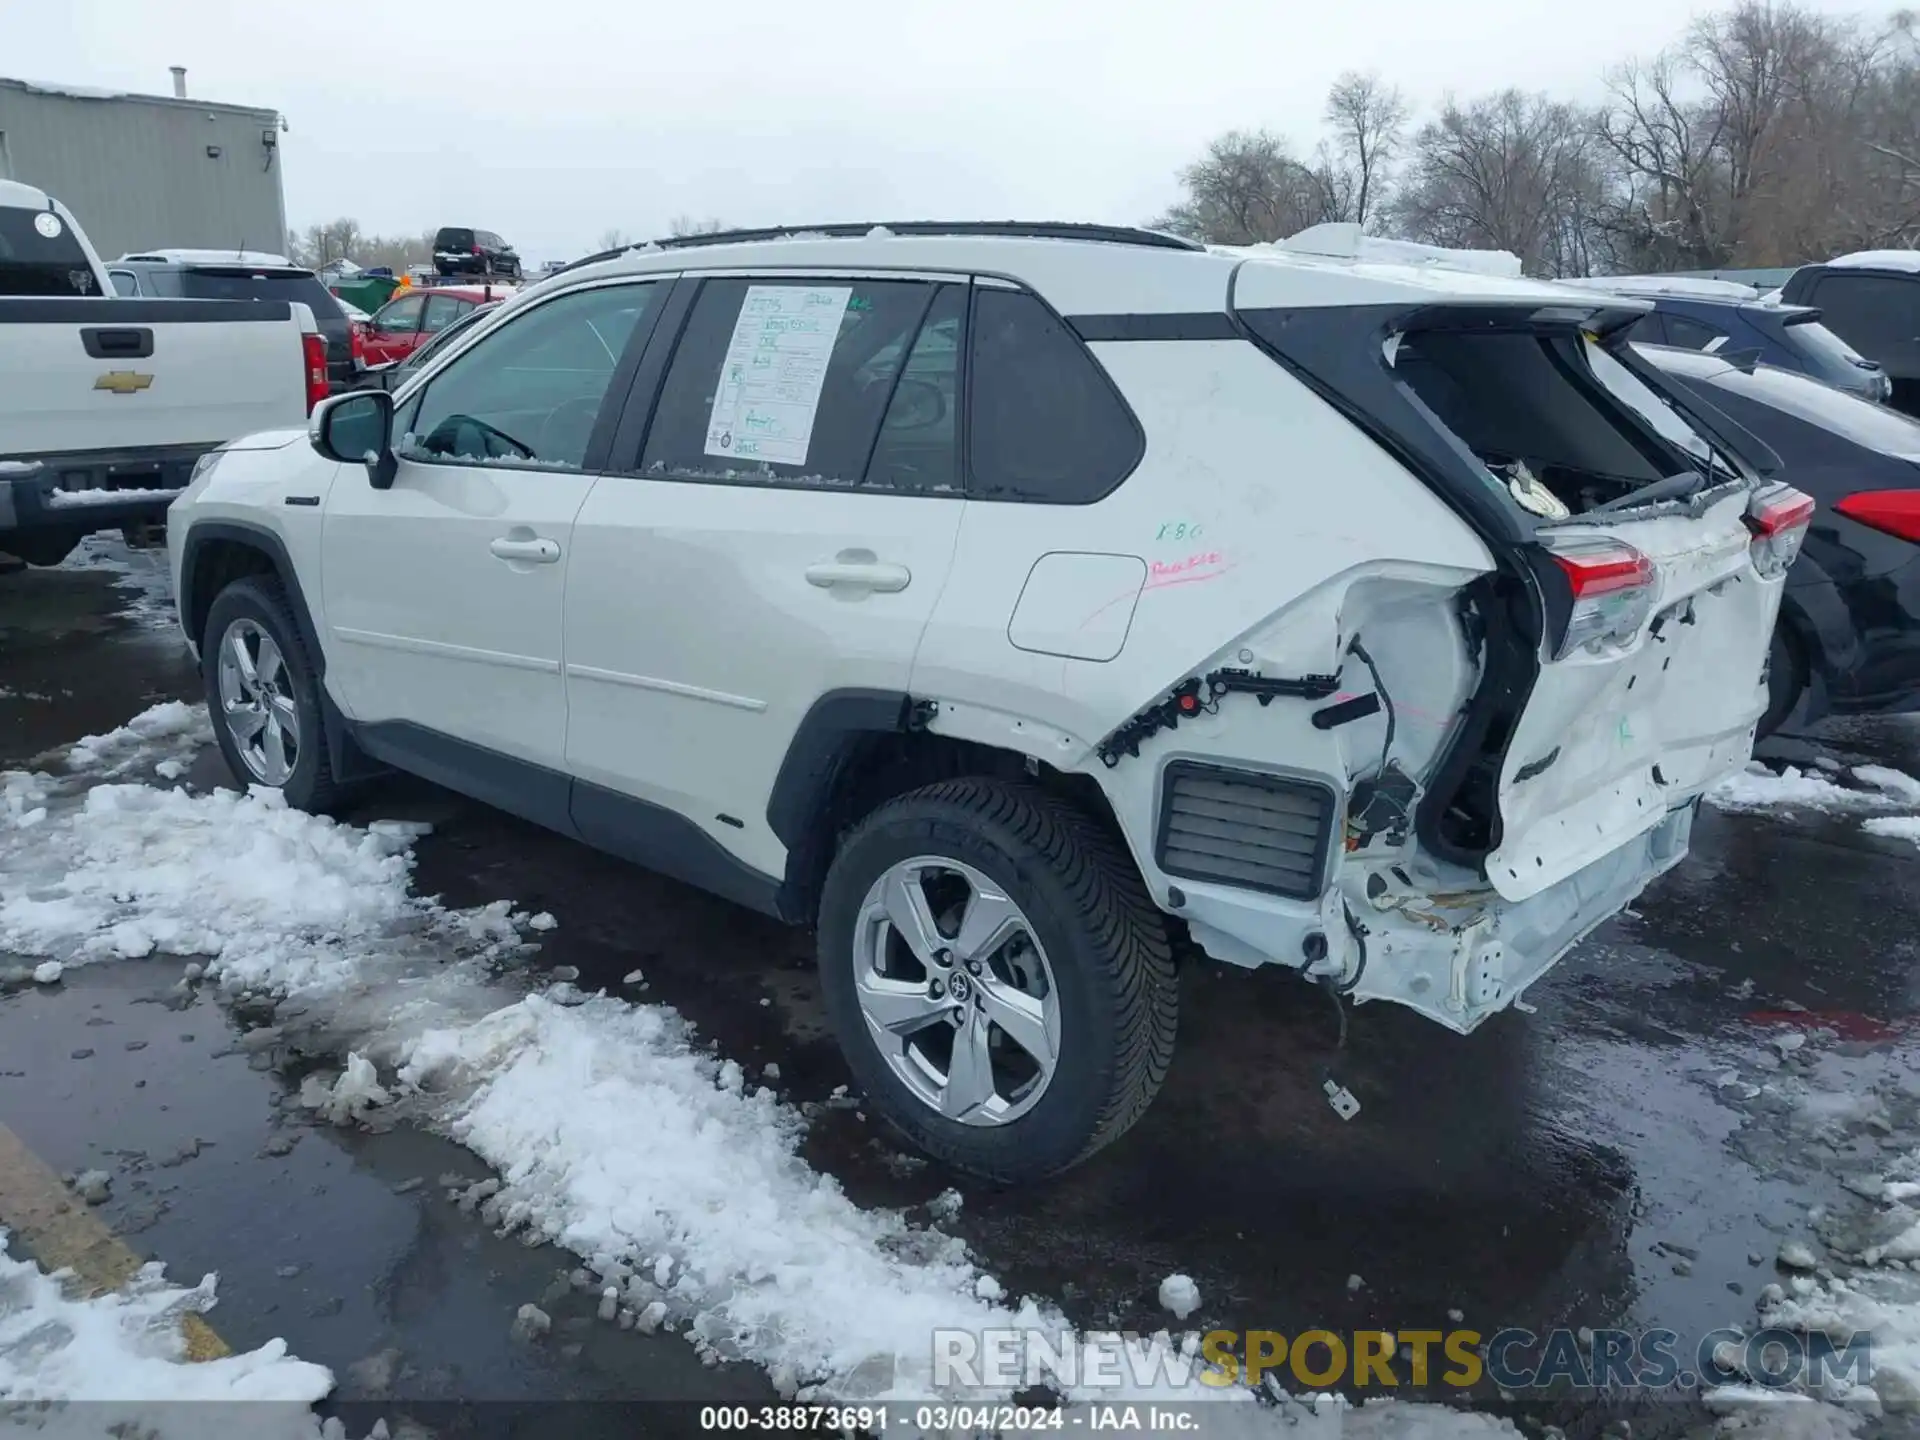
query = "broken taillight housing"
x=1778 y=520
x=1611 y=588
x=1892 y=512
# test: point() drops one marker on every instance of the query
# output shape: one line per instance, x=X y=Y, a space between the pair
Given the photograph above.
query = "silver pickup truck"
x=107 y=404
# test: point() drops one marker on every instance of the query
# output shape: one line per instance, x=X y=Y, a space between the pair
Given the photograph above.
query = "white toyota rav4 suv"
x=1023 y=606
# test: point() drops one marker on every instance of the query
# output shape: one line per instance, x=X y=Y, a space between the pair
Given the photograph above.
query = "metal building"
x=143 y=172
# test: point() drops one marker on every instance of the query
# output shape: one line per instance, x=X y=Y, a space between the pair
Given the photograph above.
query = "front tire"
x=1000 y=984
x=263 y=695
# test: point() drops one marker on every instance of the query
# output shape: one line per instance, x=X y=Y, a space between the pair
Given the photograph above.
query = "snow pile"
x=141 y=576
x=1179 y=1294
x=174 y=730
x=614 y=1134
x=1757 y=1413
x=1759 y=788
x=616 y=1138
x=1895 y=827
x=124 y=1356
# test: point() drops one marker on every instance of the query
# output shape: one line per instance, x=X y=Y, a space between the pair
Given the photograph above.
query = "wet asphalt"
x=1577 y=1166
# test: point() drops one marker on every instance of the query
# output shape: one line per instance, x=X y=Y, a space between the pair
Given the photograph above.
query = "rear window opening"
x=1561 y=425
x=34 y=262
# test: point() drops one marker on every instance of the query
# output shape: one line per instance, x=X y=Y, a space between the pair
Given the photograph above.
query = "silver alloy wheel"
x=256 y=702
x=956 y=991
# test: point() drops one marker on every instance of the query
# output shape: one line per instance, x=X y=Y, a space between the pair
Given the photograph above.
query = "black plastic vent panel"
x=1242 y=828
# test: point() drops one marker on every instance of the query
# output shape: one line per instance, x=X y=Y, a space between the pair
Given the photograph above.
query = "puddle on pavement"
x=73 y=662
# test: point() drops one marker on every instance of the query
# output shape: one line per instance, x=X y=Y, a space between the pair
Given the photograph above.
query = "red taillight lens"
x=1894 y=512
x=476 y=249
x=1611 y=588
x=315 y=349
x=1778 y=519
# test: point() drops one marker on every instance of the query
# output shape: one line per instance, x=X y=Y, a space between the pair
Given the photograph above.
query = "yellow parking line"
x=62 y=1233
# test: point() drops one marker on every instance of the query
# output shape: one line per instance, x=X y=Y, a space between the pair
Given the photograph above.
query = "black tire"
x=1106 y=945
x=43 y=548
x=1786 y=678
x=311 y=785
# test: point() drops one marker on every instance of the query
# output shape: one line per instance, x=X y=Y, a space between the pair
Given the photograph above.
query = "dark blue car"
x=1848 y=641
x=1726 y=318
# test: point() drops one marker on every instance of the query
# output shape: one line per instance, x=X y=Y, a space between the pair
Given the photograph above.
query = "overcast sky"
x=554 y=121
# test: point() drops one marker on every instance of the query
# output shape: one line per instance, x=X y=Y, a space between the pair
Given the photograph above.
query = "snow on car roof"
x=17 y=196
x=1907 y=260
x=1095 y=276
x=1336 y=241
x=210 y=257
x=1690 y=286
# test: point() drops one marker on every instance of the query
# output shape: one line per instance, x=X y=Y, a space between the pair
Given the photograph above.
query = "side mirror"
x=357 y=429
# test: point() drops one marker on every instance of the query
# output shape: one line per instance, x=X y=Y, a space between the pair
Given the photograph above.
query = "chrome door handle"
x=857 y=575
x=537 y=552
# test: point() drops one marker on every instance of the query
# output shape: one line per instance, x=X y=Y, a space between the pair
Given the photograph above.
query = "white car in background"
x=1022 y=607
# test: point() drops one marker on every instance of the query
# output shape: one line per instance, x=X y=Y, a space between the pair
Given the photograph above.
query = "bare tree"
x=614 y=239
x=686 y=225
x=1368 y=123
x=1247 y=188
x=1512 y=172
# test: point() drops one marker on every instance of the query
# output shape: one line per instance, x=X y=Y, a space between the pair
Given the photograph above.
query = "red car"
x=409 y=319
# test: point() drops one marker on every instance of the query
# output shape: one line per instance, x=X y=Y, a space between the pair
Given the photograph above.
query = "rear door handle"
x=859 y=575
x=537 y=552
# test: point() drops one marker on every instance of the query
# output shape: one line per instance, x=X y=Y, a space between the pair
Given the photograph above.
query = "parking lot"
x=1722 y=1072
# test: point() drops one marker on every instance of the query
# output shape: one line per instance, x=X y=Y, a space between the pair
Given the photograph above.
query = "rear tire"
x=251 y=616
x=1786 y=678
x=1084 y=938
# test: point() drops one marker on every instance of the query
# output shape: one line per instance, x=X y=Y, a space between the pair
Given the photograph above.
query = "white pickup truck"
x=107 y=404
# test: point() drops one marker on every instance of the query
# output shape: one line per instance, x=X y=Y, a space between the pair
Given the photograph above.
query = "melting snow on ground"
x=141 y=576
x=1875 y=787
x=119 y=1361
x=615 y=1134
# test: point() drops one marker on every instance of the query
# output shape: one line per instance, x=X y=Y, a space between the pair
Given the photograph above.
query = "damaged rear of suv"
x=1604 y=671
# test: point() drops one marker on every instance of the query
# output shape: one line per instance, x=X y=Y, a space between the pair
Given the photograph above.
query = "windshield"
x=40 y=255
x=1873 y=426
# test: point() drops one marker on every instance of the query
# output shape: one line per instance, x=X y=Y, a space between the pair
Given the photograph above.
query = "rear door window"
x=1692 y=334
x=781 y=381
x=1044 y=422
x=1648 y=330
x=40 y=255
x=442 y=311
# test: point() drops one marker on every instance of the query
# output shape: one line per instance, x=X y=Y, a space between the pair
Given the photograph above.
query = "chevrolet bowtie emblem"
x=123 y=382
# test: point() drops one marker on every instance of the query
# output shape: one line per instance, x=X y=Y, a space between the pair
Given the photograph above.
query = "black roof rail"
x=1016 y=229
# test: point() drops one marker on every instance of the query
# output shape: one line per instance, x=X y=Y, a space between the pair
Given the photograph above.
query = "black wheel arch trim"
x=348 y=760
x=826 y=736
x=258 y=537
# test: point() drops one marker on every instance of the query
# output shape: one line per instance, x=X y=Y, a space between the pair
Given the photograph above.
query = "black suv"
x=1872 y=301
x=218 y=275
x=458 y=251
